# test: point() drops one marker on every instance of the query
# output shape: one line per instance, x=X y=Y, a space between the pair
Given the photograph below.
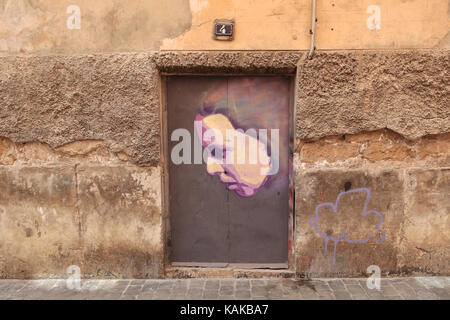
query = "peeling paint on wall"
x=22 y=25
x=198 y=5
x=41 y=26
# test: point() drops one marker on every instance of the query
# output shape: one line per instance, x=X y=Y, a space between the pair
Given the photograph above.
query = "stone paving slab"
x=436 y=288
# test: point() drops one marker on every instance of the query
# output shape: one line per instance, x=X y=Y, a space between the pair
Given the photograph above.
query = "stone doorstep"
x=232 y=273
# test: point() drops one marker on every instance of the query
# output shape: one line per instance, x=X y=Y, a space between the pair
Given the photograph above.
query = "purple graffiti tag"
x=314 y=222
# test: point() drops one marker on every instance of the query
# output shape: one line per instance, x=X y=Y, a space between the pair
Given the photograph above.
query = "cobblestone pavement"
x=257 y=289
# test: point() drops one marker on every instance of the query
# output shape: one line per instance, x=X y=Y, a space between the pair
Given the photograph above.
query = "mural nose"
x=213 y=167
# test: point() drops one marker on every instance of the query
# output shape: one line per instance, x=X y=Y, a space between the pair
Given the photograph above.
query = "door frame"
x=165 y=158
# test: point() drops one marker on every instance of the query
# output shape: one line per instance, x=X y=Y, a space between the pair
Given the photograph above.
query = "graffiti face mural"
x=238 y=159
x=230 y=146
x=243 y=160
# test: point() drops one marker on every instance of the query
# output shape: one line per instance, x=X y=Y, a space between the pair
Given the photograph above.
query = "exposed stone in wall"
x=331 y=150
x=350 y=92
x=37 y=153
x=7 y=152
x=373 y=147
x=433 y=146
x=80 y=147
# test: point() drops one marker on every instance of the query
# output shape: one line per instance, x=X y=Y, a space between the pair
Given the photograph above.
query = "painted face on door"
x=239 y=160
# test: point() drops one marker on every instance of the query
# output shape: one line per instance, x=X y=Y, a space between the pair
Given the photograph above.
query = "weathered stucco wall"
x=115 y=98
x=275 y=25
x=80 y=158
x=40 y=26
x=375 y=120
x=59 y=99
x=408 y=183
x=80 y=205
x=349 y=92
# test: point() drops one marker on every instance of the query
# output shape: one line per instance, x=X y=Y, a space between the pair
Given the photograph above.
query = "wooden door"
x=229 y=211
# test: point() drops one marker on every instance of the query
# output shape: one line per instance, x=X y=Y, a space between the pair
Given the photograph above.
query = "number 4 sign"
x=374 y=21
x=223 y=29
